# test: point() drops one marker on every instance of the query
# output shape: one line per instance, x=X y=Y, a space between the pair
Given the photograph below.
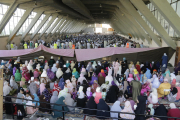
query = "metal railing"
x=70 y=112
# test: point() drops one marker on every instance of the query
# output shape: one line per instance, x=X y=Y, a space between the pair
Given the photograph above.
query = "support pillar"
x=8 y=15
x=59 y=25
x=19 y=25
x=48 y=25
x=33 y=22
x=132 y=19
x=139 y=4
x=54 y=25
x=40 y=26
x=66 y=22
x=168 y=13
x=130 y=8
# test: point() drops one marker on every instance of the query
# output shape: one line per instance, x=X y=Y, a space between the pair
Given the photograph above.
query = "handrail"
x=83 y=109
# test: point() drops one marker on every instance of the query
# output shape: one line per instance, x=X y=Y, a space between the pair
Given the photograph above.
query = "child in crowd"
x=121 y=96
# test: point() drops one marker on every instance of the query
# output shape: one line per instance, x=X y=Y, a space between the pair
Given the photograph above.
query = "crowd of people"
x=79 y=42
x=118 y=86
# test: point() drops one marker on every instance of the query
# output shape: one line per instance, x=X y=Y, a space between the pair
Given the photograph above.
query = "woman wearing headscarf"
x=148 y=74
x=127 y=73
x=109 y=78
x=89 y=66
x=153 y=97
x=102 y=106
x=132 y=104
x=69 y=86
x=116 y=67
x=111 y=96
x=138 y=67
x=6 y=88
x=60 y=107
x=90 y=105
x=136 y=75
x=25 y=73
x=132 y=69
x=70 y=102
x=44 y=91
x=33 y=87
x=75 y=73
x=13 y=84
x=141 y=107
x=59 y=73
x=115 y=108
x=93 y=78
x=163 y=86
x=56 y=87
x=81 y=78
x=102 y=73
x=81 y=100
x=145 y=88
x=127 y=109
x=156 y=83
x=124 y=67
x=54 y=68
x=173 y=111
x=17 y=76
x=63 y=92
x=61 y=83
x=43 y=104
x=101 y=79
x=161 y=111
x=54 y=98
x=50 y=74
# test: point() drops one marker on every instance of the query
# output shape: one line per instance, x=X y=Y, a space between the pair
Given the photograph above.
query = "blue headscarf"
x=36 y=98
x=59 y=108
x=148 y=74
x=61 y=83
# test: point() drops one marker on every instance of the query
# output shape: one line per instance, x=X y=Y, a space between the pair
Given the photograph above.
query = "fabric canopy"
x=42 y=48
x=134 y=54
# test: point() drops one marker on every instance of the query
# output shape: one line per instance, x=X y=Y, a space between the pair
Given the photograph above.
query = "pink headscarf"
x=42 y=87
x=130 y=78
x=127 y=109
x=173 y=84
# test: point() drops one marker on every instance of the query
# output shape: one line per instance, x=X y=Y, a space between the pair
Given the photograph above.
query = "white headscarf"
x=172 y=106
x=127 y=109
x=54 y=68
x=63 y=92
x=69 y=101
x=59 y=73
x=109 y=78
x=6 y=89
x=115 y=108
x=81 y=93
x=29 y=67
x=13 y=84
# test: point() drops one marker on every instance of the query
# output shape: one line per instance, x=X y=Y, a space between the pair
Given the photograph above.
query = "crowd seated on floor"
x=79 y=42
x=117 y=85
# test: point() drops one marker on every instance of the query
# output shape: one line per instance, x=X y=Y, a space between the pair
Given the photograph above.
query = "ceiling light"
x=100 y=5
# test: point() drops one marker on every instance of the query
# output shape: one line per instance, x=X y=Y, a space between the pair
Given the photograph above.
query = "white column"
x=48 y=25
x=33 y=22
x=20 y=23
x=139 y=4
x=40 y=26
x=168 y=13
x=127 y=4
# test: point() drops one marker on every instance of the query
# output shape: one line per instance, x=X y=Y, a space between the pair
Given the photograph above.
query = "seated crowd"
x=104 y=85
x=79 y=42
